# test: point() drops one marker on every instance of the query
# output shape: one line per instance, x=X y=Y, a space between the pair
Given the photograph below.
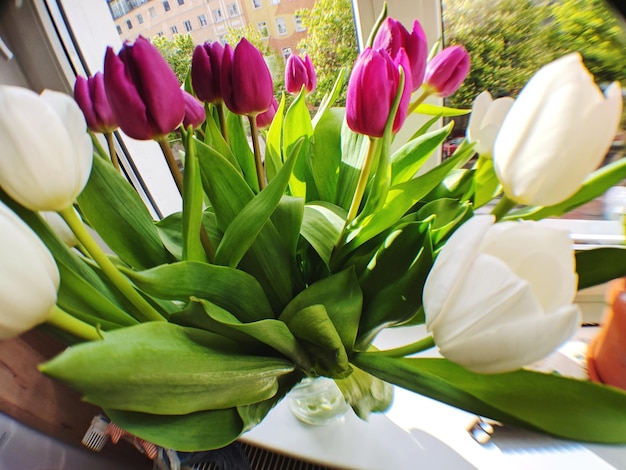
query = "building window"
x=139 y=19
x=202 y=21
x=232 y=9
x=187 y=24
x=174 y=30
x=217 y=15
x=263 y=31
x=160 y=33
x=166 y=5
x=286 y=51
x=119 y=29
x=181 y=2
x=152 y=12
x=275 y=2
x=299 y=24
x=129 y=24
x=256 y=3
x=281 y=27
x=118 y=8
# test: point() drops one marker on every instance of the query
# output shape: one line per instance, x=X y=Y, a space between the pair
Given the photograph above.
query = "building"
x=276 y=21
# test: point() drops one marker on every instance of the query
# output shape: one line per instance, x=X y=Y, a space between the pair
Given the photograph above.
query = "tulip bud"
x=446 y=71
x=499 y=296
x=558 y=130
x=246 y=81
x=60 y=228
x=485 y=121
x=206 y=65
x=194 y=111
x=91 y=96
x=298 y=73
x=47 y=152
x=29 y=277
x=264 y=120
x=143 y=91
x=393 y=36
x=372 y=89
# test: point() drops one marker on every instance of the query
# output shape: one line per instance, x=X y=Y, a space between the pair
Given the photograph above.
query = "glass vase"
x=317 y=401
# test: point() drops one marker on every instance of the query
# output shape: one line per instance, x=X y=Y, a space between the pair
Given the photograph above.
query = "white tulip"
x=485 y=121
x=46 y=151
x=29 y=277
x=499 y=297
x=557 y=132
x=60 y=228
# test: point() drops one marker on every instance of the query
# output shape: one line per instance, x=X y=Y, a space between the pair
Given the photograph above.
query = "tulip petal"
x=479 y=109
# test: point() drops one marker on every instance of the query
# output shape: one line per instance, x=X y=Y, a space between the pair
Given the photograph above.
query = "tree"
x=330 y=42
x=177 y=51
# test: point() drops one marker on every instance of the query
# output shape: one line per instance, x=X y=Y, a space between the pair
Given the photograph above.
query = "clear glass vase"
x=317 y=401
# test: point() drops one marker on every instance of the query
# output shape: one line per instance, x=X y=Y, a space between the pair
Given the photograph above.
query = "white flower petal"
x=479 y=110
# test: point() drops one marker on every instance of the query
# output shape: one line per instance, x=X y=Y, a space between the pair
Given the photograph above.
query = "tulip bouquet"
x=288 y=259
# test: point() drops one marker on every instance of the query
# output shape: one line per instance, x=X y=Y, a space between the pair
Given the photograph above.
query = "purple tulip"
x=194 y=111
x=264 y=119
x=299 y=72
x=206 y=64
x=393 y=36
x=143 y=90
x=91 y=97
x=372 y=90
x=447 y=70
x=246 y=81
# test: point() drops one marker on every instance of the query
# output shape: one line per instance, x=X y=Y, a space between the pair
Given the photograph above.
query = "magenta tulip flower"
x=246 y=81
x=194 y=111
x=264 y=119
x=372 y=90
x=446 y=71
x=206 y=65
x=393 y=36
x=299 y=72
x=143 y=91
x=91 y=97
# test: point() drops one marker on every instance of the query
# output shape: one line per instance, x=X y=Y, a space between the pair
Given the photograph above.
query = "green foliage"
x=177 y=51
x=331 y=42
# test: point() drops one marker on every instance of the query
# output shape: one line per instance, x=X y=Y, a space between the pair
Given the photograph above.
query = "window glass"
x=286 y=52
x=281 y=27
x=187 y=24
x=174 y=29
x=166 y=6
x=218 y=15
x=202 y=21
x=298 y=23
x=263 y=30
x=139 y=19
x=232 y=9
x=256 y=3
x=152 y=12
x=129 y=24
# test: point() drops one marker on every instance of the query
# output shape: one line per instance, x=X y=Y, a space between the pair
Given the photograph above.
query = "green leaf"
x=287 y=218
x=113 y=208
x=354 y=149
x=274 y=142
x=217 y=141
x=594 y=412
x=365 y=393
x=599 y=265
x=445 y=216
x=326 y=153
x=330 y=98
x=192 y=203
x=232 y=289
x=170 y=232
x=321 y=227
x=161 y=368
x=241 y=149
x=435 y=110
x=297 y=133
x=486 y=183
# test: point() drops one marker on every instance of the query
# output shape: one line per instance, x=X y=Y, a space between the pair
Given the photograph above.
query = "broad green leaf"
x=599 y=265
x=353 y=152
x=321 y=227
x=271 y=333
x=170 y=232
x=197 y=370
x=232 y=289
x=194 y=432
x=274 y=142
x=445 y=216
x=217 y=141
x=192 y=203
x=436 y=110
x=326 y=153
x=113 y=208
x=458 y=184
x=241 y=149
x=426 y=127
x=297 y=133
x=330 y=98
x=486 y=183
x=287 y=218
x=242 y=231
x=595 y=413
x=365 y=393
x=408 y=159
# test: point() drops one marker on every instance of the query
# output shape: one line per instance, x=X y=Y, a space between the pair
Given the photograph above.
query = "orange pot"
x=606 y=356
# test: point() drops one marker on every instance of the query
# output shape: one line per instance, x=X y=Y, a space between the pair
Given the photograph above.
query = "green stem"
x=413 y=348
x=112 y=153
x=66 y=322
x=363 y=178
x=258 y=162
x=413 y=106
x=503 y=207
x=222 y=119
x=109 y=269
x=171 y=163
x=96 y=143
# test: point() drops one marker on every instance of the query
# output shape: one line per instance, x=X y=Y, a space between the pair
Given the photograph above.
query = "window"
x=160 y=33
x=129 y=24
x=286 y=51
x=232 y=9
x=202 y=21
x=118 y=8
x=281 y=27
x=217 y=15
x=298 y=22
x=275 y=2
x=174 y=30
x=181 y=2
x=187 y=24
x=152 y=12
x=256 y=3
x=166 y=5
x=119 y=29
x=139 y=19
x=262 y=27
